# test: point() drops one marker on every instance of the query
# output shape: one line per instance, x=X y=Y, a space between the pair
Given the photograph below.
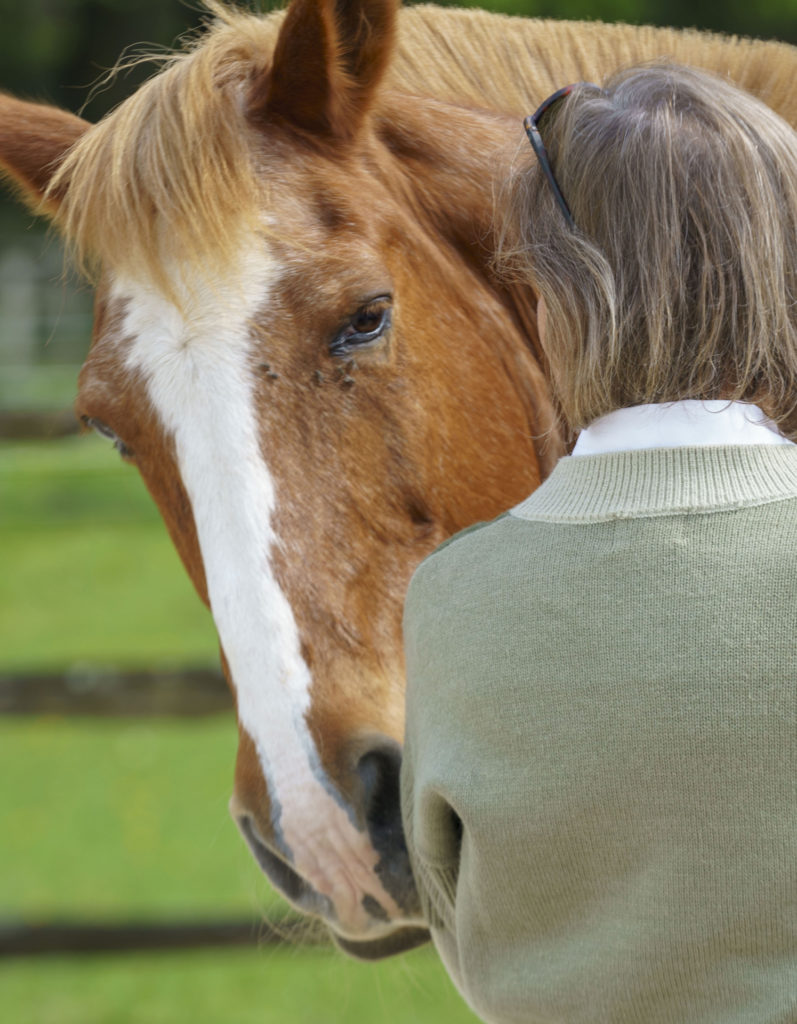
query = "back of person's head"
x=679 y=279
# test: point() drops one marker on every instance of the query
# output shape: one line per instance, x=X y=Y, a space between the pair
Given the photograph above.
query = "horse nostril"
x=378 y=771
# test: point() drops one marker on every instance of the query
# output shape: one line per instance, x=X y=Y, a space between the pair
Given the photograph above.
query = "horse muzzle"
x=350 y=866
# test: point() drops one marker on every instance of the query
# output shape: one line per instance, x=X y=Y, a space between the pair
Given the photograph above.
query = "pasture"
x=109 y=819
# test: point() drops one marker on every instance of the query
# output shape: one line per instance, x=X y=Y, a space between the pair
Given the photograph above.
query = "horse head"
x=297 y=345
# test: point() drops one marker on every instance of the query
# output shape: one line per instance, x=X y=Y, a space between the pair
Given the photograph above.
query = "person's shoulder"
x=450 y=577
x=463 y=557
x=460 y=535
x=463 y=541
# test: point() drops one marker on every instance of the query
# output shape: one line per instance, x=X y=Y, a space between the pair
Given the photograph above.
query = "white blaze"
x=197 y=363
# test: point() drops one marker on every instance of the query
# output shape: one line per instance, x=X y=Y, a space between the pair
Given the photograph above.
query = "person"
x=599 y=783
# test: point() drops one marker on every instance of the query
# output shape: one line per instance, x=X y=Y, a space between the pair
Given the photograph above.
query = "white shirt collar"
x=678 y=424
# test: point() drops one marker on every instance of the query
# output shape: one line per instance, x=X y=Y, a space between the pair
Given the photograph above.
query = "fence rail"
x=94 y=691
x=189 y=692
x=34 y=425
x=70 y=937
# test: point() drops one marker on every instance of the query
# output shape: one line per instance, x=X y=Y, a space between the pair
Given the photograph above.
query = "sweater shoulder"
x=460 y=550
x=436 y=573
x=455 y=538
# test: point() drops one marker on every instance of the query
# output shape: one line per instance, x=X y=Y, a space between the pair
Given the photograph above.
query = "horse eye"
x=364 y=328
x=368 y=320
x=105 y=431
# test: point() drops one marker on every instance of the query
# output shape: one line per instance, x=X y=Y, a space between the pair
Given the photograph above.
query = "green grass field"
x=89 y=573
x=231 y=987
x=126 y=819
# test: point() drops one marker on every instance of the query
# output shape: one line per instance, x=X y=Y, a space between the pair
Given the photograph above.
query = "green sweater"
x=600 y=776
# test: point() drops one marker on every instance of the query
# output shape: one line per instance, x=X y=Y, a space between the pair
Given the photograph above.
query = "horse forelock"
x=171 y=171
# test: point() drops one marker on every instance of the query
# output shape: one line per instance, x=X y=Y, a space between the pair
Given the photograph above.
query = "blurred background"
x=113 y=798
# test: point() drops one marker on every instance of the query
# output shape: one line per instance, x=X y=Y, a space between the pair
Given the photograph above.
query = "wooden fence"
x=190 y=692
x=107 y=692
x=59 y=938
x=46 y=322
x=35 y=425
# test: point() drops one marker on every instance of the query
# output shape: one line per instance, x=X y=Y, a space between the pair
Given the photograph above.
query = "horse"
x=301 y=343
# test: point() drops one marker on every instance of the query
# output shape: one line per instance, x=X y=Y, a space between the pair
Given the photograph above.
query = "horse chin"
x=400 y=941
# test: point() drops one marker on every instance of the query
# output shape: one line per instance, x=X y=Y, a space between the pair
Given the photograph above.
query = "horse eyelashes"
x=105 y=431
x=364 y=328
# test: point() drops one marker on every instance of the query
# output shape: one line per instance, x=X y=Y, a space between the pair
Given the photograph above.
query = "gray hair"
x=680 y=279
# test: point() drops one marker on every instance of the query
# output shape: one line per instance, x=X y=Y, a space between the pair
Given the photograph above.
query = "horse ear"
x=34 y=139
x=329 y=58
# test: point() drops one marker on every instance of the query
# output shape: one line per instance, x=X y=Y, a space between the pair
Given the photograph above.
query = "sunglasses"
x=531 y=124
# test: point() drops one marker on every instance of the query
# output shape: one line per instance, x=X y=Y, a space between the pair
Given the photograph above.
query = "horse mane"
x=182 y=147
x=510 y=64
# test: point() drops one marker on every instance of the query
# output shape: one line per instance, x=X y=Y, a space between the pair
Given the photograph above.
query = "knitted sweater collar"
x=663 y=481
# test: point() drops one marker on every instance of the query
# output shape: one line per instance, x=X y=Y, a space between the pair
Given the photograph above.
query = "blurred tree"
x=55 y=50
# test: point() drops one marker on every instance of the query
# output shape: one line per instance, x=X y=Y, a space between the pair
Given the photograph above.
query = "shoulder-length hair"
x=679 y=279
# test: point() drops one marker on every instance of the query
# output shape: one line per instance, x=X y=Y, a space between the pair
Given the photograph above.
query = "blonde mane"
x=171 y=169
